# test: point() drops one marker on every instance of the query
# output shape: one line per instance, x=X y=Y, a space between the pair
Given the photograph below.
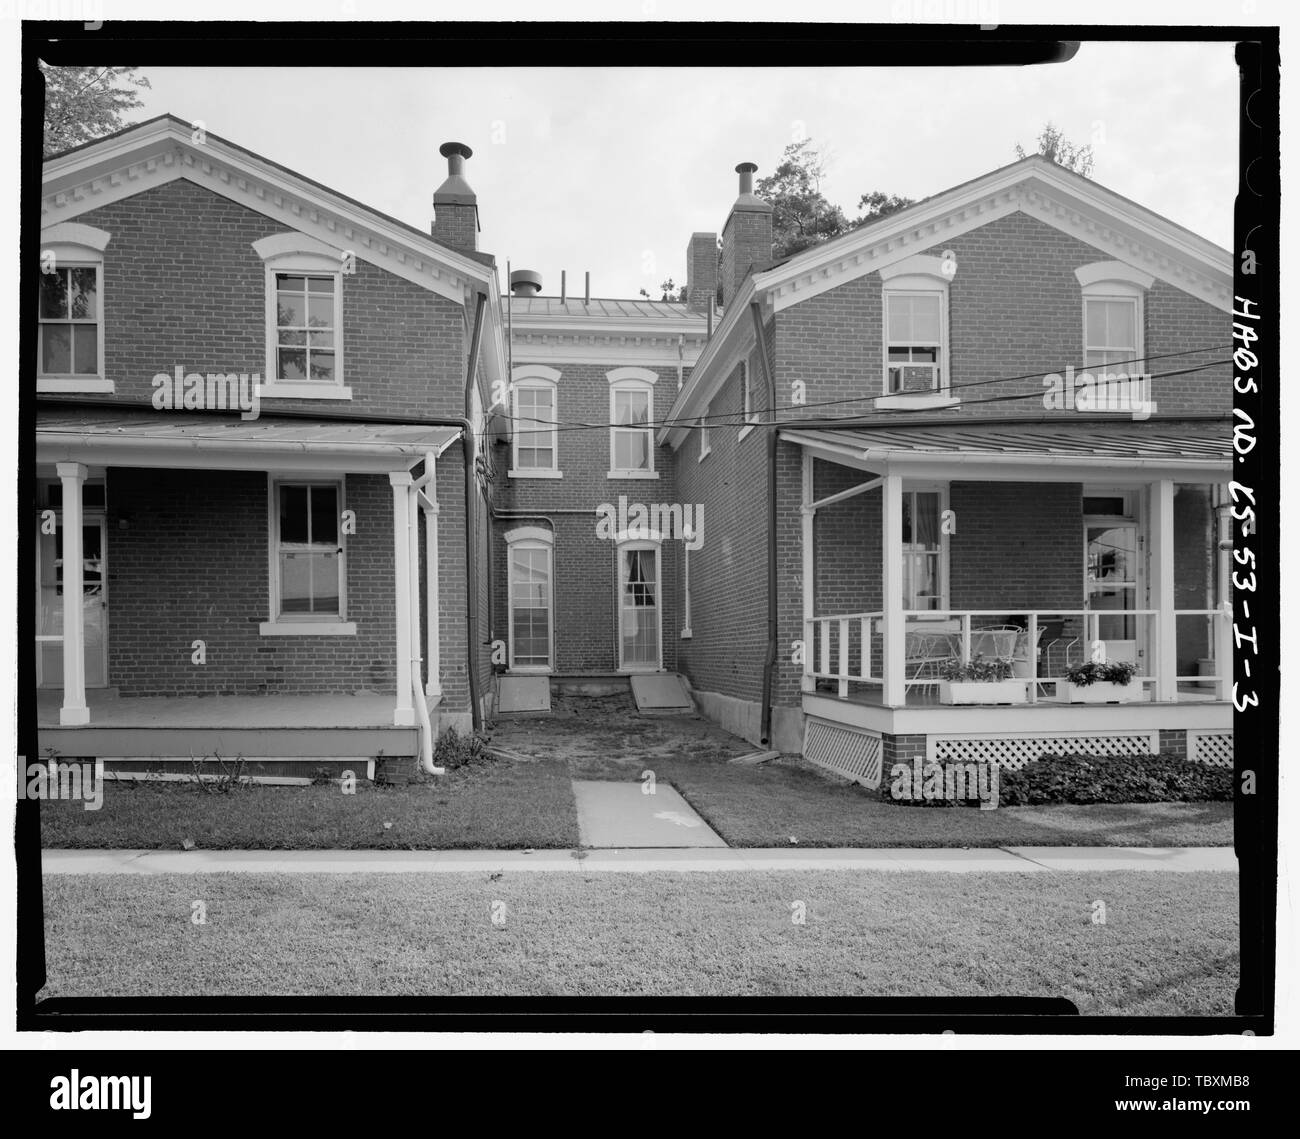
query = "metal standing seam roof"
x=1202 y=441
x=204 y=430
x=603 y=307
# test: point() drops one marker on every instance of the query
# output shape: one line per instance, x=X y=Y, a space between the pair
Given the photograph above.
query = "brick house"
x=929 y=492
x=289 y=579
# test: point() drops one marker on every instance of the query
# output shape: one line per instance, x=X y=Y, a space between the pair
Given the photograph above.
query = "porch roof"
x=1062 y=451
x=133 y=438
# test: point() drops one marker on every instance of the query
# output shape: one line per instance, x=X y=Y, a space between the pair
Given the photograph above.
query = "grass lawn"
x=1168 y=945
x=488 y=804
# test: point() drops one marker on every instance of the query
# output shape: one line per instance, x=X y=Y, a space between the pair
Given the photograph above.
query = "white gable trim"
x=162 y=152
x=1125 y=232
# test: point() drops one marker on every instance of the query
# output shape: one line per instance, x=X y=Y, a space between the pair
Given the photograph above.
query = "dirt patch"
x=605 y=737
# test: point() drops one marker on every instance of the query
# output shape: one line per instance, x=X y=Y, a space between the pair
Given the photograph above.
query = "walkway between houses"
x=1013 y=859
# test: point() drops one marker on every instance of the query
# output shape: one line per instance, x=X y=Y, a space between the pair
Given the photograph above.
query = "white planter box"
x=1103 y=692
x=1010 y=691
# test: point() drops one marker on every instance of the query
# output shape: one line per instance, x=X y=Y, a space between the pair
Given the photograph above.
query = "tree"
x=670 y=292
x=801 y=215
x=84 y=103
x=1053 y=144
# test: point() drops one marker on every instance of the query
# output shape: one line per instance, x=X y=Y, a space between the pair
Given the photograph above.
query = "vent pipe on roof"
x=586 y=297
x=525 y=283
x=563 y=289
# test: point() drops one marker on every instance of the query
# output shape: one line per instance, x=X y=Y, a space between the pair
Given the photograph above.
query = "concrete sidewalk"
x=1014 y=859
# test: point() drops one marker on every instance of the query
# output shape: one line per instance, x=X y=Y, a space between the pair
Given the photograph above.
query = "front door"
x=49 y=602
x=638 y=608
x=1113 y=585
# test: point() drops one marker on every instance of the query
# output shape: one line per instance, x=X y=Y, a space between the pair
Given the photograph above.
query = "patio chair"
x=924 y=650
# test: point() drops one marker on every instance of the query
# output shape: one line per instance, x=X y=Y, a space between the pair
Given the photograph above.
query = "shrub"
x=980 y=668
x=1114 y=671
x=455 y=750
x=1116 y=779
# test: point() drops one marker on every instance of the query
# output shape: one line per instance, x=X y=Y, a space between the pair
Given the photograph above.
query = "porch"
x=208 y=577
x=1025 y=552
x=356 y=727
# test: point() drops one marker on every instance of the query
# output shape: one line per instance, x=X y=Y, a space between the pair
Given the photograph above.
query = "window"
x=914 y=300
x=1113 y=298
x=307 y=558
x=304 y=329
x=1111 y=334
x=304 y=318
x=705 y=447
x=631 y=435
x=923 y=585
x=915 y=343
x=530 y=615
x=70 y=310
x=535 y=415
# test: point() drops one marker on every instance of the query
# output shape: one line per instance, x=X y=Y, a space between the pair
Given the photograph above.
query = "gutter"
x=471 y=516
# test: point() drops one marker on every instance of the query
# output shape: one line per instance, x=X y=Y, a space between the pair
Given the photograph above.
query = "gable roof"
x=165 y=148
x=1119 y=228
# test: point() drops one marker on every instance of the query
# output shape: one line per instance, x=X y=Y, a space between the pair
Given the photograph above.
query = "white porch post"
x=891 y=516
x=403 y=711
x=808 y=517
x=74 y=710
x=1165 y=640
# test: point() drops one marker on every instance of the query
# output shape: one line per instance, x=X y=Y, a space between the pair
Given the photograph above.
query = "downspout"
x=769 y=662
x=417 y=669
x=471 y=515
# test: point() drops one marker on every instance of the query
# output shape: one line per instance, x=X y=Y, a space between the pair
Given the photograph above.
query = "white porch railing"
x=849 y=648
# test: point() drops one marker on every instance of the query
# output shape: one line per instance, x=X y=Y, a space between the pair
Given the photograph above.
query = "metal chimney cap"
x=525 y=282
x=447 y=149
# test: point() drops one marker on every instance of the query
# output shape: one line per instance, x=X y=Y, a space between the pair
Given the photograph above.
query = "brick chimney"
x=455 y=208
x=701 y=271
x=747 y=236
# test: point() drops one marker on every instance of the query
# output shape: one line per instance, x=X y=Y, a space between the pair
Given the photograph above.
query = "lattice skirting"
x=1214 y=748
x=850 y=752
x=1012 y=751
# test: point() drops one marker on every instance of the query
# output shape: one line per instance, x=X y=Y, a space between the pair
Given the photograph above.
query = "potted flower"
x=1102 y=682
x=984 y=680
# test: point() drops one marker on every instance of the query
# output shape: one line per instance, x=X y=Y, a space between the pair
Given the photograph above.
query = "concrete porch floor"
x=110 y=710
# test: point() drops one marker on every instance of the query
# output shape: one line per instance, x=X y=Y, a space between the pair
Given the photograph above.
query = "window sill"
x=915 y=402
x=303 y=391
x=686 y=635
x=530 y=670
x=745 y=431
x=83 y=385
x=631 y=474
x=308 y=629
x=704 y=455
x=538 y=474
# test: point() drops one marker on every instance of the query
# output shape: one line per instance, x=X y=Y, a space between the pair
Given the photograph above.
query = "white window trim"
x=297 y=253
x=632 y=379
x=919 y=273
x=530 y=538
x=535 y=376
x=706 y=446
x=74 y=245
x=625 y=542
x=303 y=624
x=1115 y=281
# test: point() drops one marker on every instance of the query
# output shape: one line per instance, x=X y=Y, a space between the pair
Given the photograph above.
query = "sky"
x=609 y=171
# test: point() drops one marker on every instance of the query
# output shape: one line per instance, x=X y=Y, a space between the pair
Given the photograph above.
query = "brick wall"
x=585 y=616
x=192 y=564
x=183 y=285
